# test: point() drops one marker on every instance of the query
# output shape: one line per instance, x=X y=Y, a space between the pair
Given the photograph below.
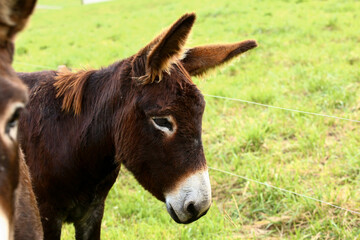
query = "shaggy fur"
x=71 y=87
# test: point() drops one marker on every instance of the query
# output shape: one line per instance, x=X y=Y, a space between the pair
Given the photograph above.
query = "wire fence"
x=281 y=108
x=285 y=190
x=263 y=105
x=269 y=185
x=35 y=65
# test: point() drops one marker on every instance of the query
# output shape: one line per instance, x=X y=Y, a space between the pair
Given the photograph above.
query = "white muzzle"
x=191 y=199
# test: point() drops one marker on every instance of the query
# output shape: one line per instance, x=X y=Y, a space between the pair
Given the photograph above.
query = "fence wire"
x=281 y=108
x=285 y=190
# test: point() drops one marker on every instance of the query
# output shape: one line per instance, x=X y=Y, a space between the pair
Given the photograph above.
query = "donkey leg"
x=50 y=221
x=89 y=228
x=52 y=228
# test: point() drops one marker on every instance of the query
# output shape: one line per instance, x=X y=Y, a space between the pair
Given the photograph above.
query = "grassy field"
x=308 y=59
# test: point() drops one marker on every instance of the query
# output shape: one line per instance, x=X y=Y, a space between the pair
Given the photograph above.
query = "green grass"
x=307 y=59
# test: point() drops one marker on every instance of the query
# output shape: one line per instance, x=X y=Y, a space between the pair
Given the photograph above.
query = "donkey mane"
x=149 y=64
x=71 y=86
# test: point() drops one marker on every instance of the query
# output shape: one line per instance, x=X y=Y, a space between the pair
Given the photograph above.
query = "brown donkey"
x=19 y=215
x=143 y=112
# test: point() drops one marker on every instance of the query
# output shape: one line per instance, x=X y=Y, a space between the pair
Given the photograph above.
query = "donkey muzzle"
x=191 y=199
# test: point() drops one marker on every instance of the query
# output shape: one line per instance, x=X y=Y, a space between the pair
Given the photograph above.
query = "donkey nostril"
x=172 y=213
x=192 y=210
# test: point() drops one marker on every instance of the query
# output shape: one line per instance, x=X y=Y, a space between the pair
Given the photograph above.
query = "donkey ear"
x=164 y=49
x=198 y=60
x=14 y=15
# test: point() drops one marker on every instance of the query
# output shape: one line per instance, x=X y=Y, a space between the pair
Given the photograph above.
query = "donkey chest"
x=90 y=200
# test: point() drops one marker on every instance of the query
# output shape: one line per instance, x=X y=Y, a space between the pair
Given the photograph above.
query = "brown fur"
x=13 y=17
x=27 y=216
x=70 y=86
x=17 y=198
x=81 y=127
x=198 y=60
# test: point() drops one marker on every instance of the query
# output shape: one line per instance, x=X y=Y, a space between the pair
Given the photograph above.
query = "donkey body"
x=143 y=112
x=19 y=215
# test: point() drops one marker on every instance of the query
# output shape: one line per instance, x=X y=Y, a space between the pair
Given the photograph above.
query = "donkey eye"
x=165 y=124
x=12 y=124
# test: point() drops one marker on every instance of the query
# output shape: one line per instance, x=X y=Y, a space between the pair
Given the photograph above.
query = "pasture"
x=307 y=59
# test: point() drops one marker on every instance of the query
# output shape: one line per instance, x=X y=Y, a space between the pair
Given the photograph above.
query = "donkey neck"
x=102 y=93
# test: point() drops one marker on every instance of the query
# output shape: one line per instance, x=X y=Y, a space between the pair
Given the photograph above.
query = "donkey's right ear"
x=198 y=60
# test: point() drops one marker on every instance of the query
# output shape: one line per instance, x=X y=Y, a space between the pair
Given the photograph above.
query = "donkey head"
x=13 y=96
x=161 y=129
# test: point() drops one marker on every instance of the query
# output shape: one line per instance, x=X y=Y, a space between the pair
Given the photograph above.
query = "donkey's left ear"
x=198 y=60
x=164 y=49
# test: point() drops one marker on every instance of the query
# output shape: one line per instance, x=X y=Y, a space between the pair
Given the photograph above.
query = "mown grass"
x=308 y=59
